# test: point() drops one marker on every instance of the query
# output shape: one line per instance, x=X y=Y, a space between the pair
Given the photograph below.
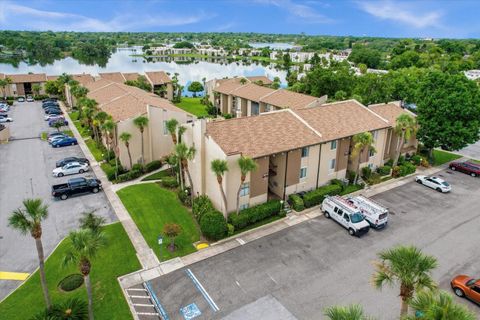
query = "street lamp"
x=281 y=205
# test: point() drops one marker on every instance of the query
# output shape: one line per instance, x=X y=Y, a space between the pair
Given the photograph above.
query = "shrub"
x=108 y=154
x=416 y=160
x=351 y=176
x=252 y=215
x=297 y=202
x=374 y=178
x=169 y=182
x=384 y=171
x=231 y=229
x=71 y=282
x=425 y=163
x=184 y=197
x=213 y=225
x=137 y=167
x=366 y=172
x=109 y=171
x=389 y=163
x=315 y=197
x=228 y=116
x=130 y=175
x=154 y=165
x=396 y=171
x=338 y=183
x=407 y=168
x=201 y=205
x=401 y=160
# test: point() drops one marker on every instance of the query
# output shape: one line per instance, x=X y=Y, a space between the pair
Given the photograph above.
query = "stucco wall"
x=135 y=143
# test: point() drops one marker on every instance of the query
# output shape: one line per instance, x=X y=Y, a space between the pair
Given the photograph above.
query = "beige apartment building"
x=22 y=84
x=125 y=103
x=295 y=149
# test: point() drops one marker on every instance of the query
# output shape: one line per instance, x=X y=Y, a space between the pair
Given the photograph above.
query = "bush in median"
x=315 y=197
x=297 y=202
x=213 y=225
x=252 y=215
x=201 y=205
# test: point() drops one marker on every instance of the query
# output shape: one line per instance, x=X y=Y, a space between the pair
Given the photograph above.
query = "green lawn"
x=193 y=106
x=440 y=157
x=96 y=152
x=158 y=175
x=151 y=207
x=84 y=132
x=117 y=259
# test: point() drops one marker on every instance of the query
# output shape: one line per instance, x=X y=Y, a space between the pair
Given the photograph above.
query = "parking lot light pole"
x=160 y=241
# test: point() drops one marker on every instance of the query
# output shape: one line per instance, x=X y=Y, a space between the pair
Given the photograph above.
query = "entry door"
x=255 y=109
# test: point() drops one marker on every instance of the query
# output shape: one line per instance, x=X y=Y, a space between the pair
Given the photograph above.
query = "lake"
x=122 y=61
x=272 y=45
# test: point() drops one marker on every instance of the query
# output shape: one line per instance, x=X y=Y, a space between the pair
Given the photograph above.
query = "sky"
x=382 y=18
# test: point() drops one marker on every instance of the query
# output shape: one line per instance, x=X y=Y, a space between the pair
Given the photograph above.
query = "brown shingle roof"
x=52 y=78
x=265 y=134
x=342 y=119
x=389 y=111
x=288 y=99
x=84 y=78
x=252 y=92
x=158 y=77
x=30 y=77
x=113 y=76
x=265 y=80
x=132 y=76
x=227 y=86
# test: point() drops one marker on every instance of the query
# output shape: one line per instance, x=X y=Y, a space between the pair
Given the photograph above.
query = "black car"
x=63 y=162
x=53 y=110
x=76 y=186
x=50 y=104
x=49 y=100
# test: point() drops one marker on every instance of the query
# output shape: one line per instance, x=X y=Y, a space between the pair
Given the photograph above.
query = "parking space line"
x=19 y=276
x=241 y=241
x=135 y=289
x=143 y=305
x=139 y=297
x=202 y=290
x=148 y=313
x=158 y=305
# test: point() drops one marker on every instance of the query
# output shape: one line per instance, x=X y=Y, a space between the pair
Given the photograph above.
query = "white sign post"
x=160 y=241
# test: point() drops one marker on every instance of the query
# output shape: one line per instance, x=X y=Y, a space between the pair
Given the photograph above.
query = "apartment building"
x=295 y=149
x=22 y=84
x=125 y=103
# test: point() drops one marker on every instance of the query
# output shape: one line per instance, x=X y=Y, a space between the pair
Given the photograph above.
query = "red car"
x=465 y=286
x=467 y=167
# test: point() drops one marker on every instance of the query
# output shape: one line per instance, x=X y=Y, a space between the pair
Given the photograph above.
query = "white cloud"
x=22 y=17
x=297 y=11
x=390 y=10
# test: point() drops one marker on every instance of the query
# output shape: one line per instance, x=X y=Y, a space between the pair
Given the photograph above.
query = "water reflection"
x=188 y=69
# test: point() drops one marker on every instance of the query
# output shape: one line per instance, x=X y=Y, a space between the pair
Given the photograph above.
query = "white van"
x=345 y=214
x=375 y=213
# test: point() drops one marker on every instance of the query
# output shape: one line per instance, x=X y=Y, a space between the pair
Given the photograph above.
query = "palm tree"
x=99 y=118
x=181 y=130
x=109 y=127
x=141 y=123
x=91 y=221
x=172 y=128
x=243 y=81
x=219 y=167
x=83 y=247
x=362 y=143
x=185 y=154
x=125 y=137
x=405 y=127
x=246 y=165
x=29 y=220
x=438 y=305
x=406 y=266
x=73 y=309
x=3 y=84
x=351 y=312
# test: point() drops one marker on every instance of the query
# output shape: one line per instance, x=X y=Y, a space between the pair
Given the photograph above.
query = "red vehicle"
x=465 y=286
x=467 y=167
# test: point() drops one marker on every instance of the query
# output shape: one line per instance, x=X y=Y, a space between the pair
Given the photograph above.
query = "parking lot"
x=26 y=165
x=298 y=272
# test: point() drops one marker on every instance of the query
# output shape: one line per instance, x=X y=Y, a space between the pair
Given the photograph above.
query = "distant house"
x=22 y=83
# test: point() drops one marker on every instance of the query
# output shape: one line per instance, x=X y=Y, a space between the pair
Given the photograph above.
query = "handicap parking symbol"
x=191 y=311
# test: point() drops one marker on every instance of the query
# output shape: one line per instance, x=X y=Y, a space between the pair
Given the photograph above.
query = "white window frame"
x=245 y=189
x=303 y=169
x=333 y=145
x=307 y=152
x=333 y=162
x=375 y=135
x=165 y=130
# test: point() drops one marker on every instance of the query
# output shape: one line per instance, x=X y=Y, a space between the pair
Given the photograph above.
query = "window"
x=305 y=152
x=245 y=189
x=165 y=129
x=375 y=135
x=476 y=289
x=243 y=206
x=340 y=212
x=332 y=164
x=336 y=209
x=346 y=217
x=333 y=145
x=303 y=172
x=371 y=153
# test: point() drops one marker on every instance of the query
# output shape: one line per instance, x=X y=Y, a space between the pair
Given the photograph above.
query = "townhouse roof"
x=390 y=111
x=227 y=86
x=262 y=135
x=157 y=77
x=131 y=76
x=52 y=78
x=113 y=76
x=123 y=102
x=27 y=77
x=288 y=99
x=252 y=91
x=83 y=78
x=342 y=119
x=265 y=80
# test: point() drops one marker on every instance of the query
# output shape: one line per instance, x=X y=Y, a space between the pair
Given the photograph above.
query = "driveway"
x=471 y=151
x=298 y=272
x=26 y=165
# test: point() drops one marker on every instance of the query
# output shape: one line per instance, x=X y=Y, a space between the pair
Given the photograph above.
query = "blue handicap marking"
x=191 y=311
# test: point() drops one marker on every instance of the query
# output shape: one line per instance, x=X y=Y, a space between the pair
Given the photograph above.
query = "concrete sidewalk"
x=145 y=254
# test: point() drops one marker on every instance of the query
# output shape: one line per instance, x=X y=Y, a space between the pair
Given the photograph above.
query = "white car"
x=49 y=117
x=435 y=183
x=21 y=99
x=5 y=119
x=30 y=99
x=70 y=168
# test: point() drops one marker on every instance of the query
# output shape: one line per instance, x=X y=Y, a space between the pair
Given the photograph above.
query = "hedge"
x=169 y=182
x=154 y=165
x=315 y=197
x=384 y=171
x=296 y=202
x=71 y=282
x=252 y=215
x=213 y=225
x=130 y=175
x=201 y=205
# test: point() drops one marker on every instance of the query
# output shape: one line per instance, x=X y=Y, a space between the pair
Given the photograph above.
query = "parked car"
x=21 y=99
x=70 y=168
x=435 y=183
x=52 y=122
x=467 y=167
x=52 y=110
x=53 y=116
x=55 y=138
x=5 y=119
x=54 y=134
x=468 y=287
x=50 y=104
x=66 y=141
x=3 y=115
x=374 y=213
x=345 y=214
x=49 y=99
x=64 y=161
x=5 y=108
x=76 y=186
x=30 y=99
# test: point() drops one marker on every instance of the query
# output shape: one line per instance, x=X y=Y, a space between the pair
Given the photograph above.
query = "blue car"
x=52 y=122
x=67 y=141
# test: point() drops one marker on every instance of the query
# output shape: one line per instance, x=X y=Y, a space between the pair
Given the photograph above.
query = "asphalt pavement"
x=26 y=165
x=298 y=272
